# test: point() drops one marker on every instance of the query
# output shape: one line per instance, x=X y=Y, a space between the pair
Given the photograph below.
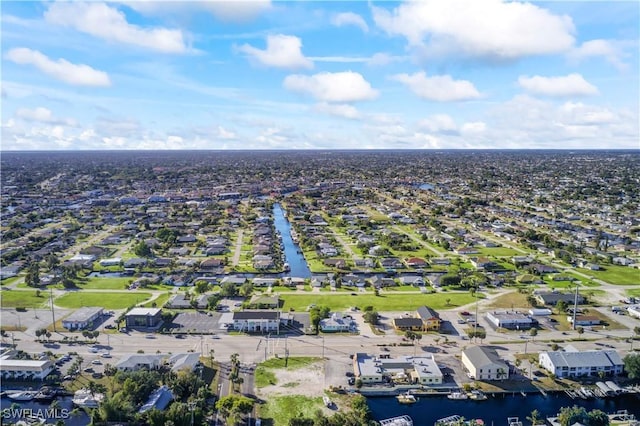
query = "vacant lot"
x=23 y=299
x=511 y=300
x=614 y=274
x=106 y=300
x=384 y=302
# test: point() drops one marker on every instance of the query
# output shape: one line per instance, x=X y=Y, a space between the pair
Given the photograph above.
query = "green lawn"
x=159 y=301
x=106 y=300
x=23 y=299
x=498 y=251
x=105 y=283
x=9 y=281
x=281 y=409
x=614 y=274
x=384 y=302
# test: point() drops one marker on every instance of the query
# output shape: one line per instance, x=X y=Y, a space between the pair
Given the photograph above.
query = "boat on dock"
x=406 y=398
x=449 y=421
x=458 y=395
x=477 y=395
x=21 y=395
x=45 y=395
x=397 y=421
x=85 y=398
x=287 y=267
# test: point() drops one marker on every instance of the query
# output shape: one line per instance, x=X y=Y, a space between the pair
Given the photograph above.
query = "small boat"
x=406 y=398
x=458 y=395
x=22 y=395
x=477 y=395
x=84 y=398
x=45 y=395
x=287 y=268
x=397 y=421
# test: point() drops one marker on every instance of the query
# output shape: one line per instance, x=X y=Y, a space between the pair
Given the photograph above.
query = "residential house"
x=262 y=301
x=391 y=263
x=212 y=263
x=335 y=263
x=481 y=263
x=483 y=363
x=414 y=280
x=416 y=262
x=551 y=298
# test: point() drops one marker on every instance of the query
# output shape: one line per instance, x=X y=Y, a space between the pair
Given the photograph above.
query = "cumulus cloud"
x=108 y=23
x=237 y=11
x=490 y=29
x=439 y=123
x=282 y=51
x=350 y=18
x=225 y=134
x=42 y=115
x=441 y=88
x=561 y=86
x=63 y=70
x=612 y=52
x=347 y=86
x=338 y=110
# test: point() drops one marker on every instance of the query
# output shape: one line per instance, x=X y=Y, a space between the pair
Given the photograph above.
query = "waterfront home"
x=574 y=363
x=483 y=363
x=158 y=400
x=23 y=369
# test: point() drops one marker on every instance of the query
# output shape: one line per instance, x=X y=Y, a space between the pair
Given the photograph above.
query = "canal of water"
x=495 y=410
x=292 y=253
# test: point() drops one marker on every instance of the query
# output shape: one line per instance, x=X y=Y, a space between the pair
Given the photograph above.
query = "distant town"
x=292 y=287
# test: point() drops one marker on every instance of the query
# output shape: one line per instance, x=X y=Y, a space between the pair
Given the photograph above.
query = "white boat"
x=406 y=398
x=477 y=395
x=84 y=398
x=458 y=395
x=397 y=421
x=286 y=267
x=22 y=395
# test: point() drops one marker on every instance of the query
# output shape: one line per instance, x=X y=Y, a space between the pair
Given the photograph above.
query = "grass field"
x=498 y=251
x=514 y=299
x=265 y=375
x=280 y=410
x=23 y=299
x=106 y=283
x=384 y=302
x=9 y=281
x=614 y=274
x=159 y=301
x=107 y=300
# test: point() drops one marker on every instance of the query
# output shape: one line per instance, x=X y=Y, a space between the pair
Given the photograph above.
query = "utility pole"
x=475 y=327
x=53 y=315
x=286 y=352
x=575 y=308
x=322 y=347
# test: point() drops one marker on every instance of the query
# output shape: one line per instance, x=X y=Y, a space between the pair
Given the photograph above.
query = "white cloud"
x=347 y=86
x=441 y=88
x=108 y=23
x=579 y=113
x=490 y=29
x=350 y=18
x=474 y=127
x=338 y=110
x=63 y=70
x=612 y=52
x=238 y=10
x=439 y=123
x=381 y=59
x=282 y=51
x=569 y=85
x=42 y=115
x=225 y=134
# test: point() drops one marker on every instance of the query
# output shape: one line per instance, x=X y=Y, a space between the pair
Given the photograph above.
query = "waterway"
x=292 y=253
x=495 y=410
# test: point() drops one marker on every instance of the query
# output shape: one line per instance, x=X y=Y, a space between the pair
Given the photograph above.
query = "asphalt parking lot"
x=195 y=323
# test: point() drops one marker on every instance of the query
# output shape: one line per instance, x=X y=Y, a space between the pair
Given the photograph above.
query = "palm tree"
x=534 y=417
x=501 y=373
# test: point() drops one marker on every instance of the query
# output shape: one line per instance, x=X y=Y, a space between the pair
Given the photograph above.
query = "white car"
x=93 y=350
x=106 y=355
x=96 y=362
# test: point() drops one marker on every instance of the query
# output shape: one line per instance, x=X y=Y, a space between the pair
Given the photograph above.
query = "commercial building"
x=584 y=320
x=511 y=320
x=483 y=363
x=338 y=322
x=177 y=362
x=257 y=321
x=83 y=318
x=22 y=369
x=430 y=318
x=418 y=370
x=573 y=363
x=143 y=317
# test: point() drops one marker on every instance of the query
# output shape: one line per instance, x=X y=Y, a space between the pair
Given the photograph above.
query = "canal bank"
x=495 y=410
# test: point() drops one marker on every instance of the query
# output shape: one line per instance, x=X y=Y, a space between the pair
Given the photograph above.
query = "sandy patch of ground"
x=307 y=381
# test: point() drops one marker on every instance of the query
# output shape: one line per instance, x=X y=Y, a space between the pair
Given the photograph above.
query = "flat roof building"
x=419 y=369
x=143 y=317
x=257 y=321
x=82 y=318
x=511 y=320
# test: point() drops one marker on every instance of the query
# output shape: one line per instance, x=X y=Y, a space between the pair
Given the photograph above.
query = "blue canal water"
x=426 y=186
x=292 y=253
x=495 y=410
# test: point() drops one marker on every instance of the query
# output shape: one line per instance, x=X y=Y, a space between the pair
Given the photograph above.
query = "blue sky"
x=429 y=74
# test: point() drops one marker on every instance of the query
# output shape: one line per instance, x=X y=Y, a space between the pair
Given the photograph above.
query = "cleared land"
x=614 y=274
x=107 y=300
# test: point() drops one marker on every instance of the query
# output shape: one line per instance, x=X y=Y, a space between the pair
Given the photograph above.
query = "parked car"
x=96 y=362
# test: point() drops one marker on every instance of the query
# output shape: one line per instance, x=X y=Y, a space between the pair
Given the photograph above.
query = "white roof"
x=144 y=311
